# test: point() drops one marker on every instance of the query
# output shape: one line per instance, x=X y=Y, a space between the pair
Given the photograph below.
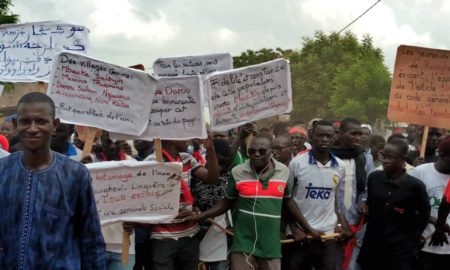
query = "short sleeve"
x=447 y=192
x=289 y=185
x=231 y=191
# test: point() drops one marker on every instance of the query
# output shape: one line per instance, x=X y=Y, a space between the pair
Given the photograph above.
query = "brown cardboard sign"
x=420 y=90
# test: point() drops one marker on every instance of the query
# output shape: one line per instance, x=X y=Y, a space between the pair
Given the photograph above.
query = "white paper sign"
x=176 y=113
x=248 y=94
x=192 y=65
x=1 y=89
x=146 y=191
x=27 y=51
x=90 y=92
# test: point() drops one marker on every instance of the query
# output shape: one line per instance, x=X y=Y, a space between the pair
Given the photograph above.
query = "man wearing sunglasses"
x=257 y=188
x=282 y=146
x=398 y=210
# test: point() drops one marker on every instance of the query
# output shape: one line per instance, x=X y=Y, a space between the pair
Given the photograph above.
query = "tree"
x=251 y=57
x=339 y=76
x=6 y=15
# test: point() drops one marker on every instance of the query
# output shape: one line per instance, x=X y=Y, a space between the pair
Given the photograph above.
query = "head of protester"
x=366 y=132
x=35 y=124
x=143 y=148
x=310 y=125
x=7 y=127
x=393 y=157
x=443 y=162
x=433 y=139
x=51 y=206
x=322 y=136
x=350 y=134
x=61 y=142
x=280 y=128
x=299 y=137
x=282 y=146
x=376 y=143
x=109 y=150
x=223 y=151
x=259 y=152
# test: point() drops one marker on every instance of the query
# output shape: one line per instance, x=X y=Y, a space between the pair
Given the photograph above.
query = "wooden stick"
x=285 y=241
x=158 y=150
x=42 y=87
x=125 y=246
x=89 y=141
x=424 y=141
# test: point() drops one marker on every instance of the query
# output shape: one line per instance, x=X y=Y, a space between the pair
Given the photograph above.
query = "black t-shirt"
x=398 y=213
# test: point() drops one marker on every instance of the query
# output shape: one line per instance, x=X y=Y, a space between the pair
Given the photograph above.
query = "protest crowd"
x=295 y=194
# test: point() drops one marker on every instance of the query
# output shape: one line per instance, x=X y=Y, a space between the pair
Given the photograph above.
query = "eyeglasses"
x=261 y=151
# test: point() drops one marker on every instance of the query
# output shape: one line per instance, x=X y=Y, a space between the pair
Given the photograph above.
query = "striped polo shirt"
x=258 y=209
x=178 y=228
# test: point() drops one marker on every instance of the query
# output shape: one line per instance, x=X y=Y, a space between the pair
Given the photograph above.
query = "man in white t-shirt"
x=316 y=175
x=435 y=177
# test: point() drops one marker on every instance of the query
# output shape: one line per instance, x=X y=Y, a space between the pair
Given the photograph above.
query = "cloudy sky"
x=127 y=32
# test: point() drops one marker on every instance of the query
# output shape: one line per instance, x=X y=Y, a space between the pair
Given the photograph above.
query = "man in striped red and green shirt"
x=257 y=188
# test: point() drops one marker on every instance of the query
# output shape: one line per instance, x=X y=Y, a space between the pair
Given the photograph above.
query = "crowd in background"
x=349 y=197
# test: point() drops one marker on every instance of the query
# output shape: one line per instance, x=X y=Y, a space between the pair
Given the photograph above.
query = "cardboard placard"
x=420 y=90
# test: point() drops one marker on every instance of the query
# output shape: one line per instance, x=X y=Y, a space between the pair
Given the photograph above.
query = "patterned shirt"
x=258 y=205
x=179 y=227
x=49 y=218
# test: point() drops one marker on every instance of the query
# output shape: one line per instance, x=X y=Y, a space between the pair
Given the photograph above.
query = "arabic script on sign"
x=27 y=50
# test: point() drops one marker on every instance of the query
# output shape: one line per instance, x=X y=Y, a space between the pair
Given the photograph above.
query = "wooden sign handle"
x=249 y=140
x=125 y=246
x=90 y=137
x=42 y=87
x=158 y=150
x=424 y=141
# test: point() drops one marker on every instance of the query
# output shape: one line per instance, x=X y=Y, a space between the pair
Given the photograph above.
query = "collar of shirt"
x=396 y=182
x=334 y=162
x=71 y=151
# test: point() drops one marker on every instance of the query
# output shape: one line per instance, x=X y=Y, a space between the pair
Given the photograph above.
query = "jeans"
x=114 y=261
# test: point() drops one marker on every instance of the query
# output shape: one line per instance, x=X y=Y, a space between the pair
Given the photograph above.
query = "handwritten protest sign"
x=249 y=94
x=177 y=111
x=28 y=50
x=420 y=91
x=90 y=92
x=192 y=65
x=146 y=191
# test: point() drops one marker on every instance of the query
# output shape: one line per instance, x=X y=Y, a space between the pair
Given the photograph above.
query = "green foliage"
x=339 y=76
x=6 y=15
x=251 y=57
x=333 y=76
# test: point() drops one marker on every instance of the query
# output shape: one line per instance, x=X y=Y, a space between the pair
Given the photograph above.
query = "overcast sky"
x=127 y=32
